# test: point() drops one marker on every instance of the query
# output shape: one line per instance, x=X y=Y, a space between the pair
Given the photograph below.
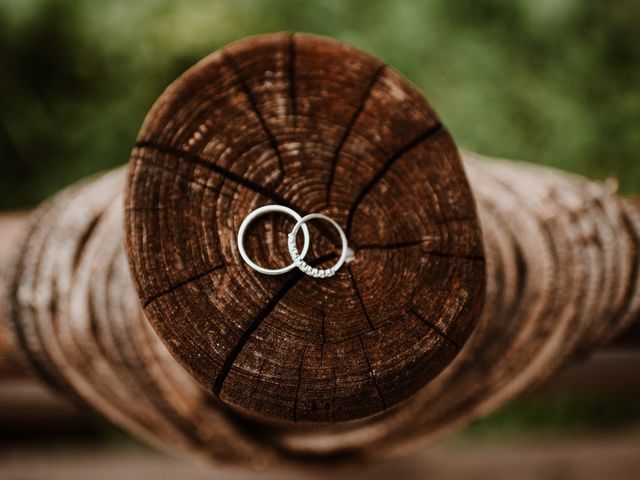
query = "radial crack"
x=223 y=172
x=390 y=246
x=372 y=374
x=461 y=256
x=291 y=282
x=254 y=106
x=295 y=401
x=427 y=134
x=174 y=287
x=434 y=328
x=357 y=292
x=349 y=128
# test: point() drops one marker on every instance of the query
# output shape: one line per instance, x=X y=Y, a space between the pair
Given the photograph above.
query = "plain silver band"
x=298 y=257
x=263 y=211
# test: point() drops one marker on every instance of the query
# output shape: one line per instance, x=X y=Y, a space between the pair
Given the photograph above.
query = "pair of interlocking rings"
x=296 y=256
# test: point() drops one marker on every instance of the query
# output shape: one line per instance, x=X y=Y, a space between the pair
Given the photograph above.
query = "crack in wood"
x=223 y=172
x=424 y=136
x=160 y=166
x=291 y=282
x=131 y=346
x=460 y=256
x=416 y=243
x=247 y=373
x=229 y=60
x=372 y=374
x=435 y=329
x=389 y=246
x=347 y=132
x=174 y=287
x=295 y=400
x=360 y=300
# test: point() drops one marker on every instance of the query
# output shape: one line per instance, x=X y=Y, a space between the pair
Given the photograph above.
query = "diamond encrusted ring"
x=296 y=255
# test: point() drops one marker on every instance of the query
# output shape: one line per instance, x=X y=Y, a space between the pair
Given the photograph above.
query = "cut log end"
x=318 y=126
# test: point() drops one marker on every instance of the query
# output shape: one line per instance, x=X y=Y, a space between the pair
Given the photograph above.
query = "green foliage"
x=560 y=412
x=539 y=80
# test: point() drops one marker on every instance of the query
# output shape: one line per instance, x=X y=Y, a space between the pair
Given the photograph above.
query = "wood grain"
x=562 y=269
x=316 y=125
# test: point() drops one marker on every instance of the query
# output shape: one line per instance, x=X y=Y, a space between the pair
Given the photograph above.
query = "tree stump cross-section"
x=318 y=126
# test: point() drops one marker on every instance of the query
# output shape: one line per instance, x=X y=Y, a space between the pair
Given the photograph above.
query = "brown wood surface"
x=562 y=271
x=316 y=125
x=562 y=258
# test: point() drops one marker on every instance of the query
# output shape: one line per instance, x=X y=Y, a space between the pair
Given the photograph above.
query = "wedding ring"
x=258 y=213
x=298 y=256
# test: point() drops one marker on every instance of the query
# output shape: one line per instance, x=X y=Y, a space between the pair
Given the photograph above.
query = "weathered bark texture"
x=562 y=272
x=560 y=259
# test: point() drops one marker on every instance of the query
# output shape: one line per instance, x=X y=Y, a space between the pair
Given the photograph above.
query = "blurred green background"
x=550 y=81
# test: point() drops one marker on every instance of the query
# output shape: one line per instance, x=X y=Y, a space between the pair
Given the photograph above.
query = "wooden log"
x=320 y=127
x=559 y=255
x=13 y=227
